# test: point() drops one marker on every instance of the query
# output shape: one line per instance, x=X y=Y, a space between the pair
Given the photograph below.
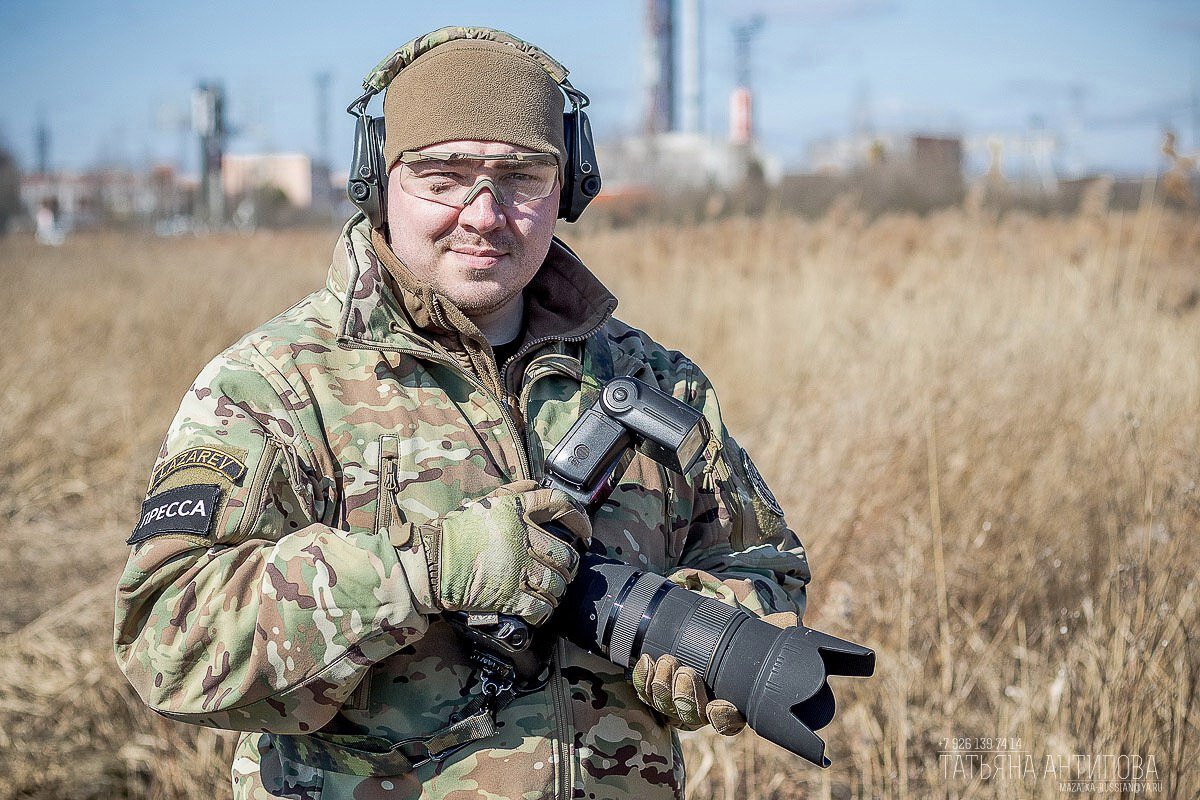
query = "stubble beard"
x=481 y=291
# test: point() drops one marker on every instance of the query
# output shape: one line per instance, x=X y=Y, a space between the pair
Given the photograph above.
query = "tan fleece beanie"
x=473 y=89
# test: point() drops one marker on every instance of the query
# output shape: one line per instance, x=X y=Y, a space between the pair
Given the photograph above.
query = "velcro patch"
x=760 y=486
x=184 y=509
x=221 y=461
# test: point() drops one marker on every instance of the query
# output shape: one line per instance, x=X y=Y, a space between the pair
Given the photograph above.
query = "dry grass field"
x=987 y=432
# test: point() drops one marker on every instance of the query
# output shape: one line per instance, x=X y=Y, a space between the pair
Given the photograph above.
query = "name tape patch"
x=209 y=458
x=184 y=509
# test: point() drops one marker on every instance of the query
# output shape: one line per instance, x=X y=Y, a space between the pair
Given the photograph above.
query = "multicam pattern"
x=298 y=613
x=492 y=556
x=398 y=59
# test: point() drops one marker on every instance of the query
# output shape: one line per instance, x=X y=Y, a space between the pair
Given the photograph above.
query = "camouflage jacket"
x=267 y=587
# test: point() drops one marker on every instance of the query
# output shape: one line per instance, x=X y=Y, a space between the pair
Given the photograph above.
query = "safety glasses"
x=455 y=179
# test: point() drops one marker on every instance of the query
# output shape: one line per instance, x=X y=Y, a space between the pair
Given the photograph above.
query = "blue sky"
x=113 y=80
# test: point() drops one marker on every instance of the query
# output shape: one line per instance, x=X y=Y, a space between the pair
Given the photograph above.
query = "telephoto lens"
x=775 y=677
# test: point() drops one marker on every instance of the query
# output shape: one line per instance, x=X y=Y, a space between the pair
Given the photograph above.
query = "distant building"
x=844 y=154
x=87 y=199
x=291 y=173
x=681 y=161
x=885 y=170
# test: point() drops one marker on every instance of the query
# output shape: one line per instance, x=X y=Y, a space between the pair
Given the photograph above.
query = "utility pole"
x=1076 y=161
x=208 y=121
x=321 y=193
x=42 y=143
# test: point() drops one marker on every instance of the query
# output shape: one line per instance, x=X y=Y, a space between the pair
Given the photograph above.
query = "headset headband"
x=378 y=78
x=404 y=55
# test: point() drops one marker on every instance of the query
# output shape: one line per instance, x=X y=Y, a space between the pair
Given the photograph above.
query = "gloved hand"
x=493 y=556
x=678 y=692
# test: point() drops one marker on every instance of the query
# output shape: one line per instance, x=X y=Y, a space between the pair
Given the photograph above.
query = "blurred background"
x=941 y=261
x=169 y=117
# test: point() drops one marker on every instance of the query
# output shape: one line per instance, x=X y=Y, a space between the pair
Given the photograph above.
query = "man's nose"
x=483 y=212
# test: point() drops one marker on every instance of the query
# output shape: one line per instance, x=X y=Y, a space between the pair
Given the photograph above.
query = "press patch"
x=760 y=486
x=184 y=509
x=220 y=461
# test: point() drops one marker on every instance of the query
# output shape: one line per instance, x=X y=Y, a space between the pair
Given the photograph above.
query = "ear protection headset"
x=367 y=186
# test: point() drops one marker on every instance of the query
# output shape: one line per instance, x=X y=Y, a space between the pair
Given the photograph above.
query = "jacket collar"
x=563 y=301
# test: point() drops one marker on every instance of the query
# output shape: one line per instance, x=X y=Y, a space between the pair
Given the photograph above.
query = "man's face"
x=481 y=255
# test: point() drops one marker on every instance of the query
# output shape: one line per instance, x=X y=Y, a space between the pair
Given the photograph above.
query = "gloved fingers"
x=532 y=608
x=661 y=681
x=556 y=506
x=725 y=718
x=782 y=619
x=548 y=551
x=645 y=672
x=673 y=690
x=679 y=693
x=544 y=582
x=690 y=697
x=576 y=521
x=642 y=670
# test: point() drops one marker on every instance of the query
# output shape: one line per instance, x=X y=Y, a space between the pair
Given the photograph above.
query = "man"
x=367 y=460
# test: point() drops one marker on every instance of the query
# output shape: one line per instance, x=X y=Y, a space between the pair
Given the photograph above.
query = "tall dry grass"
x=987 y=432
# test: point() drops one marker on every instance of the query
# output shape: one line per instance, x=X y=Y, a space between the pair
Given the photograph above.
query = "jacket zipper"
x=387 y=509
x=542 y=340
x=566 y=736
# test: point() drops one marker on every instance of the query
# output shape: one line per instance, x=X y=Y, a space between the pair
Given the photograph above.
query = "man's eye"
x=520 y=179
x=441 y=180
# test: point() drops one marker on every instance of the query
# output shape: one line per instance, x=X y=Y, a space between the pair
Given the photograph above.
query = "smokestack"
x=659 y=68
x=741 y=116
x=741 y=101
x=690 y=45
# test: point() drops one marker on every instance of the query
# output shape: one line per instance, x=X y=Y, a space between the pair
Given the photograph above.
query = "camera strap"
x=598 y=368
x=375 y=756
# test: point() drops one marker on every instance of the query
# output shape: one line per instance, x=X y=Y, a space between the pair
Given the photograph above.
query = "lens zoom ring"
x=702 y=633
x=620 y=649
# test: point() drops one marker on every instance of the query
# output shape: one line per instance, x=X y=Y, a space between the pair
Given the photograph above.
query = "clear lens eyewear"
x=455 y=179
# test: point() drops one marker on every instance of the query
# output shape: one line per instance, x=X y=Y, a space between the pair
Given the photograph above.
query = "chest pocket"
x=425 y=475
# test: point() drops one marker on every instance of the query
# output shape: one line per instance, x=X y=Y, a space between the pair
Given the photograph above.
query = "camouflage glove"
x=493 y=556
x=677 y=692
